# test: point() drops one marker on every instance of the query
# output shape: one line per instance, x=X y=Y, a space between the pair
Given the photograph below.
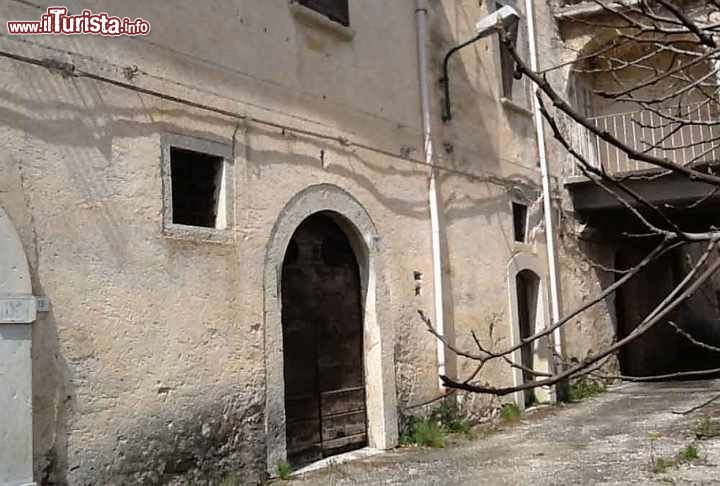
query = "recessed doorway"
x=322 y=320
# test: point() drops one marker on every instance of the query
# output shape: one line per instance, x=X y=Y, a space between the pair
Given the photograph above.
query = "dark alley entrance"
x=663 y=350
x=322 y=321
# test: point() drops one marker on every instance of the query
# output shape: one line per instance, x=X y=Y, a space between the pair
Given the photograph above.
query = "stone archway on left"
x=18 y=310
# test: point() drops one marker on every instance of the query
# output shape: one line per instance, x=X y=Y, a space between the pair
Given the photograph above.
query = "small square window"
x=336 y=10
x=197 y=180
x=519 y=213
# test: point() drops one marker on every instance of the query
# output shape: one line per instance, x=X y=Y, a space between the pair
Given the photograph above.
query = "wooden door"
x=323 y=343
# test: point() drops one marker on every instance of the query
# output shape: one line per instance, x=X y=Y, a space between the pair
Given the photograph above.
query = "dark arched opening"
x=662 y=350
x=528 y=292
x=322 y=321
x=655 y=352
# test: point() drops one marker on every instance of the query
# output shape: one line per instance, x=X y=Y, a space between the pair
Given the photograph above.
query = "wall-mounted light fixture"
x=505 y=18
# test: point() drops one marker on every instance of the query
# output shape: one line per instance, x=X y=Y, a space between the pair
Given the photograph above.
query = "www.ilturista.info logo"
x=57 y=21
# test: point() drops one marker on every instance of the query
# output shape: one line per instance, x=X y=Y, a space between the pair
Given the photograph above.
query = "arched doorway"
x=322 y=343
x=527 y=285
x=529 y=315
x=378 y=333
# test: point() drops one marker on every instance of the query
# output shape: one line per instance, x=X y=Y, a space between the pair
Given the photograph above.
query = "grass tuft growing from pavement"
x=661 y=465
x=429 y=433
x=284 y=471
x=432 y=430
x=424 y=432
x=451 y=420
x=510 y=412
x=689 y=453
x=584 y=388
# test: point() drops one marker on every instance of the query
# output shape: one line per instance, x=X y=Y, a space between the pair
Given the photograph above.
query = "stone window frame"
x=313 y=18
x=526 y=223
x=523 y=107
x=226 y=197
x=543 y=357
x=517 y=198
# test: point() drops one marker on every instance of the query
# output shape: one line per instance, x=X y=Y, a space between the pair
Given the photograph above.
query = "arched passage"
x=378 y=338
x=662 y=350
x=322 y=343
x=528 y=315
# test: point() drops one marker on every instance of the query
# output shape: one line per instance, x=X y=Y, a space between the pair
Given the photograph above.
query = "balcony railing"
x=653 y=132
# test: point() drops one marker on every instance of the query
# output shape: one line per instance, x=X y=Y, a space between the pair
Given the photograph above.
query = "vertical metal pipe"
x=545 y=175
x=421 y=13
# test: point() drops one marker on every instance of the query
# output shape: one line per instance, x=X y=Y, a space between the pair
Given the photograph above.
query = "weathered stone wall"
x=588 y=254
x=583 y=255
x=149 y=367
x=493 y=139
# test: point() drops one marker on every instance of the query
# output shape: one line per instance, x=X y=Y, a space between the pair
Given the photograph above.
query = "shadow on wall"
x=203 y=438
x=50 y=104
x=91 y=155
x=475 y=109
x=53 y=400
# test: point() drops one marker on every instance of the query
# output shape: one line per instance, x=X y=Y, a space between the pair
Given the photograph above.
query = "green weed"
x=510 y=412
x=231 y=480
x=584 y=388
x=284 y=471
x=451 y=419
x=429 y=433
x=662 y=464
x=689 y=453
x=703 y=428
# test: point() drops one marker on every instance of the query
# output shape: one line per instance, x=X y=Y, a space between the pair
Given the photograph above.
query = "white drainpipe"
x=547 y=201
x=421 y=13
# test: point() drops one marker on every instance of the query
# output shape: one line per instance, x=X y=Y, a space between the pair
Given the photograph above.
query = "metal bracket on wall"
x=42 y=304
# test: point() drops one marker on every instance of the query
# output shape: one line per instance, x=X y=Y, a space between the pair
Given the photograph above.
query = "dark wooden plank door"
x=323 y=344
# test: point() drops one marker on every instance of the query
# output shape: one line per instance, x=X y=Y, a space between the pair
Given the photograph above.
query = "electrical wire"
x=70 y=70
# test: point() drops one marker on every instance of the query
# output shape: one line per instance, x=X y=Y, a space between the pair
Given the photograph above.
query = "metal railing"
x=653 y=132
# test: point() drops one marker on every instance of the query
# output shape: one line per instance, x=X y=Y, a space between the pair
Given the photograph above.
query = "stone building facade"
x=593 y=237
x=177 y=194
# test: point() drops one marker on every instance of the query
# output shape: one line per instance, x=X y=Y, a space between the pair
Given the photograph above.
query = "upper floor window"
x=511 y=88
x=336 y=10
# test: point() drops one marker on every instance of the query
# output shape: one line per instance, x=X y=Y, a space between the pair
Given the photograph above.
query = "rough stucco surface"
x=149 y=368
x=583 y=279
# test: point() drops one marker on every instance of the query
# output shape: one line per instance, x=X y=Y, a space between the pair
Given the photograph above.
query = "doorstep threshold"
x=355 y=455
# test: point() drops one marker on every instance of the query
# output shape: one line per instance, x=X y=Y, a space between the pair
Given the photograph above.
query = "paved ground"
x=603 y=440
